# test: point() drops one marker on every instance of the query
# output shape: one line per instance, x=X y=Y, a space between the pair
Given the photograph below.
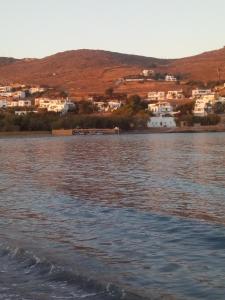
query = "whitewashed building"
x=3 y=103
x=201 y=108
x=160 y=108
x=37 y=89
x=209 y=97
x=161 y=121
x=5 y=89
x=55 y=105
x=6 y=94
x=156 y=96
x=24 y=103
x=175 y=95
x=19 y=95
x=46 y=102
x=196 y=93
x=101 y=105
x=61 y=107
x=163 y=115
x=13 y=103
x=107 y=106
x=147 y=73
x=170 y=78
x=114 y=105
x=204 y=104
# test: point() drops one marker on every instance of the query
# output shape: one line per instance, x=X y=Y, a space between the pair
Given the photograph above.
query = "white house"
x=3 y=103
x=34 y=90
x=108 y=106
x=46 y=102
x=24 y=103
x=200 y=108
x=170 y=78
x=147 y=73
x=175 y=95
x=203 y=106
x=163 y=112
x=19 y=95
x=61 y=107
x=200 y=92
x=101 y=105
x=156 y=96
x=42 y=102
x=6 y=94
x=114 y=105
x=161 y=121
x=209 y=97
x=204 y=103
x=5 y=89
x=160 y=108
x=13 y=104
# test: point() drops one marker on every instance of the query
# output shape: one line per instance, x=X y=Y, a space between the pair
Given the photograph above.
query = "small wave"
x=31 y=265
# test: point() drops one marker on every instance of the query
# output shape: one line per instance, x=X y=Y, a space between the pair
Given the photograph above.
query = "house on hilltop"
x=148 y=73
x=170 y=78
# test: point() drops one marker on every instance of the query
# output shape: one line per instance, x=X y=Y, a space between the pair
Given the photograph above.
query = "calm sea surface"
x=113 y=217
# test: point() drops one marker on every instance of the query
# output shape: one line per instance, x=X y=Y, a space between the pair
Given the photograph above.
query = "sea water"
x=113 y=217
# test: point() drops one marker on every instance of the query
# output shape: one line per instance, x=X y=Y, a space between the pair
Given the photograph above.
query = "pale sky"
x=157 y=28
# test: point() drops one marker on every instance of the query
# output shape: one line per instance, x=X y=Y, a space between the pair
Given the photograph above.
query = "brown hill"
x=78 y=71
x=7 y=61
x=92 y=71
x=208 y=66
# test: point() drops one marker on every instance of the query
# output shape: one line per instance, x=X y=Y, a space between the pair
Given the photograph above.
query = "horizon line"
x=111 y=51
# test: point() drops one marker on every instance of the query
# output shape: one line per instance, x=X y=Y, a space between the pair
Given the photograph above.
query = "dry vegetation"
x=82 y=72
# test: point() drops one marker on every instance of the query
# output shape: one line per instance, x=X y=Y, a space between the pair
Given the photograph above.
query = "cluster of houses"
x=54 y=105
x=163 y=114
x=205 y=101
x=22 y=97
x=18 y=91
x=159 y=102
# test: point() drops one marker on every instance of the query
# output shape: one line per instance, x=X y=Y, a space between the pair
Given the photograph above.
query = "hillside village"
x=204 y=106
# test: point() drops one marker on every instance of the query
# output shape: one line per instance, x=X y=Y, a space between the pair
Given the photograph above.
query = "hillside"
x=208 y=66
x=91 y=71
x=78 y=70
x=4 y=61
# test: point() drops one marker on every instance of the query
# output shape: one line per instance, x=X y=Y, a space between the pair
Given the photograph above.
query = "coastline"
x=188 y=129
x=24 y=133
x=191 y=129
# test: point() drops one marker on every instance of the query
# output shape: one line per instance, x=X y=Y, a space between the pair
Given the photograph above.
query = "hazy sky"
x=159 y=28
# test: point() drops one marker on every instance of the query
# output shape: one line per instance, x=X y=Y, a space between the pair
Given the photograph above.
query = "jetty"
x=85 y=131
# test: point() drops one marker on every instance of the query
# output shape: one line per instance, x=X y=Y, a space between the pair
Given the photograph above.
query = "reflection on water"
x=144 y=212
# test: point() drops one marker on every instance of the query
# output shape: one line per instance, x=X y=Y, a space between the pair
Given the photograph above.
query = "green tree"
x=85 y=107
x=219 y=107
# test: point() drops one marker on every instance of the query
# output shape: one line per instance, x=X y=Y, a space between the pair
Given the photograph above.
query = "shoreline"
x=189 y=129
x=193 y=129
x=25 y=133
